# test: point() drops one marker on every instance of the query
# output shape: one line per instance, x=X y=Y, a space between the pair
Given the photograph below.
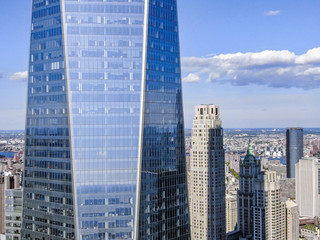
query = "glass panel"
x=164 y=201
x=104 y=45
x=48 y=205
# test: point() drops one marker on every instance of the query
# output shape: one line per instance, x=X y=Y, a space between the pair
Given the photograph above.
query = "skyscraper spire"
x=250 y=148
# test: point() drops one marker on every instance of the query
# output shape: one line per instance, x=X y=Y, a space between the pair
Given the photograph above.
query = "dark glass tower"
x=105 y=152
x=294 y=149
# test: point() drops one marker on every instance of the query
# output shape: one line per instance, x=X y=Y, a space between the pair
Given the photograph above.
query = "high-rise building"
x=6 y=182
x=250 y=168
x=308 y=187
x=294 y=149
x=207 y=172
x=13 y=214
x=292 y=220
x=310 y=232
x=269 y=213
x=263 y=215
x=104 y=154
x=231 y=212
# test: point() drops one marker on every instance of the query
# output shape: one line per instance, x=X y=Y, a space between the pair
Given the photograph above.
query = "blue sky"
x=259 y=60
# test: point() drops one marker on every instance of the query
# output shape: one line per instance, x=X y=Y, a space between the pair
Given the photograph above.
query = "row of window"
x=103 y=8
x=63 y=188
x=42 y=3
x=54 y=176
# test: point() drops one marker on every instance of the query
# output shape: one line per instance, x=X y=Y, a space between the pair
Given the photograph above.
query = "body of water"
x=7 y=154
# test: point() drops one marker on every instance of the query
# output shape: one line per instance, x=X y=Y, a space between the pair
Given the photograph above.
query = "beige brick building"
x=292 y=220
x=269 y=213
x=231 y=212
x=207 y=173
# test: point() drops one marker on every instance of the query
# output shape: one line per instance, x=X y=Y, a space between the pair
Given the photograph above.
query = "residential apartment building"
x=269 y=213
x=308 y=187
x=294 y=149
x=207 y=172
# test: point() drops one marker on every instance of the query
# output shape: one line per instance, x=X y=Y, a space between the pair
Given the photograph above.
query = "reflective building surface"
x=294 y=149
x=105 y=152
x=207 y=175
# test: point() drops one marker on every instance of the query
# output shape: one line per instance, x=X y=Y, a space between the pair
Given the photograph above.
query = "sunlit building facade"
x=308 y=187
x=269 y=213
x=250 y=169
x=207 y=175
x=105 y=152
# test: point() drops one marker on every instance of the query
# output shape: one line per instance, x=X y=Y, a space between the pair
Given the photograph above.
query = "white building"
x=292 y=220
x=207 y=172
x=308 y=187
x=231 y=212
x=269 y=213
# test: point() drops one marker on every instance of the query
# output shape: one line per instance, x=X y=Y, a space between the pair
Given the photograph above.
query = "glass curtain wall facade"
x=48 y=207
x=163 y=196
x=104 y=132
x=294 y=149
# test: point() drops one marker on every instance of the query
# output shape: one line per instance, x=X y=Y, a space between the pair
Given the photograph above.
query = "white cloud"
x=272 y=13
x=18 y=76
x=271 y=68
x=191 y=78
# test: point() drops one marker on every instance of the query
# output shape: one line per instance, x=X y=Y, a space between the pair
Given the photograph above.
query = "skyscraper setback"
x=207 y=172
x=262 y=214
x=104 y=133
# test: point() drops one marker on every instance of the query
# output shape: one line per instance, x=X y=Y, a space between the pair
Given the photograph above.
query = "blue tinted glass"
x=163 y=197
x=48 y=200
x=84 y=123
x=104 y=61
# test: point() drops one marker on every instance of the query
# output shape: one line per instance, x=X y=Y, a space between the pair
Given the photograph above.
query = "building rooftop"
x=310 y=227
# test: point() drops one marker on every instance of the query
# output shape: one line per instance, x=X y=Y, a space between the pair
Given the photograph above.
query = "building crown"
x=250 y=154
x=250 y=148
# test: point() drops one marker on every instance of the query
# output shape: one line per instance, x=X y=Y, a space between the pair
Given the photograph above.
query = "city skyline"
x=238 y=32
x=122 y=102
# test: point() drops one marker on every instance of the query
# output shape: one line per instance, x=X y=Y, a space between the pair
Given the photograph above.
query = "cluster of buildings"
x=11 y=141
x=267 y=143
x=231 y=195
x=237 y=200
x=105 y=150
x=263 y=199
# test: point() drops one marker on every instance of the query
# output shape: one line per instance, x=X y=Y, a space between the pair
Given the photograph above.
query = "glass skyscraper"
x=105 y=154
x=294 y=149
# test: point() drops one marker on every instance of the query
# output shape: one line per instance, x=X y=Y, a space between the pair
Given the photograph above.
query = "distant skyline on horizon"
x=259 y=61
x=226 y=129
